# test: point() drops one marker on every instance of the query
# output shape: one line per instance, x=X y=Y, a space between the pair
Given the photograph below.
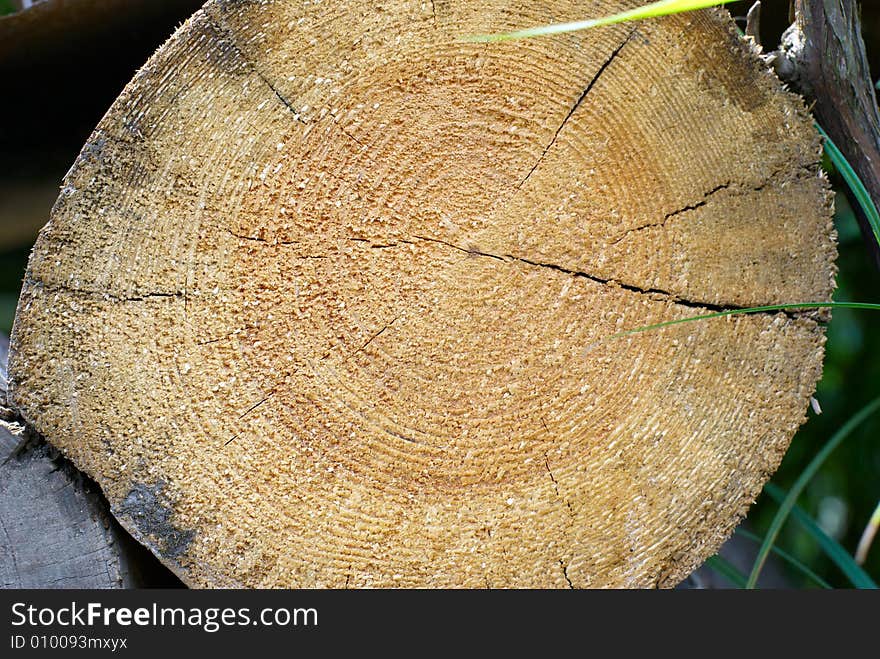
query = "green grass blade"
x=734 y=312
x=662 y=8
x=841 y=558
x=854 y=183
x=868 y=536
x=788 y=558
x=727 y=570
x=806 y=475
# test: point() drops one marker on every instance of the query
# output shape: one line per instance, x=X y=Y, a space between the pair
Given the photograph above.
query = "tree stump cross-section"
x=329 y=296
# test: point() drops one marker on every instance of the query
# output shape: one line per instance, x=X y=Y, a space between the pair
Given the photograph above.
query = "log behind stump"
x=56 y=530
x=329 y=297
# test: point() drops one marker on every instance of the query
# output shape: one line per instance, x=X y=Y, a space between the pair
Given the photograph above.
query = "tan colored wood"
x=328 y=297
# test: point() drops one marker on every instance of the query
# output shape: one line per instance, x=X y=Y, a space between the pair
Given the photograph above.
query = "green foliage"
x=800 y=484
x=727 y=570
x=854 y=183
x=867 y=539
x=7 y=7
x=849 y=382
x=841 y=558
x=788 y=558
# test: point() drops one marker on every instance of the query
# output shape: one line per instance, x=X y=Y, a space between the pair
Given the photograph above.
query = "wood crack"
x=228 y=335
x=556 y=486
x=372 y=338
x=228 y=35
x=105 y=295
x=655 y=292
x=684 y=209
x=257 y=239
x=297 y=115
x=255 y=406
x=565 y=573
x=734 y=188
x=577 y=104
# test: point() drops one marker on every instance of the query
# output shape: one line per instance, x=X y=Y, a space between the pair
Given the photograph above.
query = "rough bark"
x=330 y=296
x=823 y=56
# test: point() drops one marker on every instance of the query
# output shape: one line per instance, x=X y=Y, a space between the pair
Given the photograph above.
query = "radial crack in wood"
x=577 y=104
x=328 y=298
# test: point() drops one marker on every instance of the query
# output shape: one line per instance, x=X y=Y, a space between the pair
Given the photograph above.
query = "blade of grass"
x=868 y=536
x=854 y=183
x=788 y=558
x=839 y=556
x=727 y=570
x=662 y=8
x=806 y=475
x=733 y=312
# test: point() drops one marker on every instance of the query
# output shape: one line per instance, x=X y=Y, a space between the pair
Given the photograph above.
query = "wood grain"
x=329 y=297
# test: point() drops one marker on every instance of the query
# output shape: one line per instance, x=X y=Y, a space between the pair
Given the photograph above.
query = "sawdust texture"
x=328 y=297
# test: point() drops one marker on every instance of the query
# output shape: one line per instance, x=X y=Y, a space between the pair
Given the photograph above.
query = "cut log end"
x=330 y=296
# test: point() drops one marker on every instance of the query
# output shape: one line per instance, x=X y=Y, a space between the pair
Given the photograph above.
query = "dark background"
x=57 y=82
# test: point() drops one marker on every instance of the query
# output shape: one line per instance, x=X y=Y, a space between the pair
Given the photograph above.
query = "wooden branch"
x=823 y=56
